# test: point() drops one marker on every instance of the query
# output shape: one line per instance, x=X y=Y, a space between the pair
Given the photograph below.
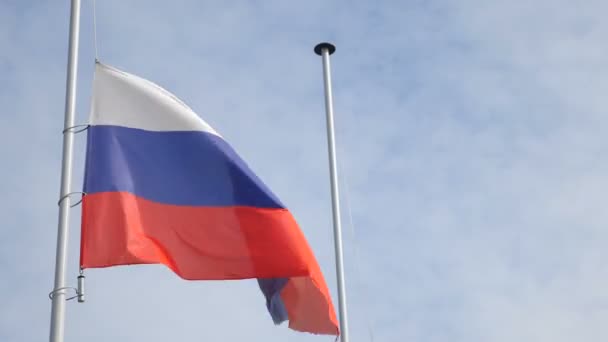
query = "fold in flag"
x=163 y=187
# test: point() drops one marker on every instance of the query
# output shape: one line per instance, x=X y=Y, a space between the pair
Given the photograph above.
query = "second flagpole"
x=325 y=50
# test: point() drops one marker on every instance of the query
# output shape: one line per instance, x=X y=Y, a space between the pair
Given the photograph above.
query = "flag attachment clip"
x=80 y=289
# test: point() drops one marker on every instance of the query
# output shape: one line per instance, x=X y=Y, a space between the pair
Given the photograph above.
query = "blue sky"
x=471 y=134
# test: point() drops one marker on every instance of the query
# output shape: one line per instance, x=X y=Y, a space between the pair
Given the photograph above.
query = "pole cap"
x=319 y=48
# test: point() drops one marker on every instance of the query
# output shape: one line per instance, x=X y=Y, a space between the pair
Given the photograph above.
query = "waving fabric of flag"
x=163 y=187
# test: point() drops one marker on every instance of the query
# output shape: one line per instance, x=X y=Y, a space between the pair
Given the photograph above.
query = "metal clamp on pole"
x=61 y=291
x=79 y=291
x=70 y=194
x=76 y=129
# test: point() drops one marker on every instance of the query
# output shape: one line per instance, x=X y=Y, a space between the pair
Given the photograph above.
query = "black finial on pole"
x=330 y=48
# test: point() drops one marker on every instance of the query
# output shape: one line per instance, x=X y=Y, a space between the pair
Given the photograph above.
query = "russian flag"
x=163 y=187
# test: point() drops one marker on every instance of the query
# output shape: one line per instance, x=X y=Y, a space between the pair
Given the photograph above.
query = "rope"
x=95 y=30
x=355 y=243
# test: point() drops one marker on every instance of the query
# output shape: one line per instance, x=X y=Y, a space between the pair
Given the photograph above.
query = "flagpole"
x=59 y=291
x=325 y=50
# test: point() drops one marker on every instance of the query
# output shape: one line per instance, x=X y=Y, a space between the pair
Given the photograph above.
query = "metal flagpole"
x=59 y=291
x=325 y=50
